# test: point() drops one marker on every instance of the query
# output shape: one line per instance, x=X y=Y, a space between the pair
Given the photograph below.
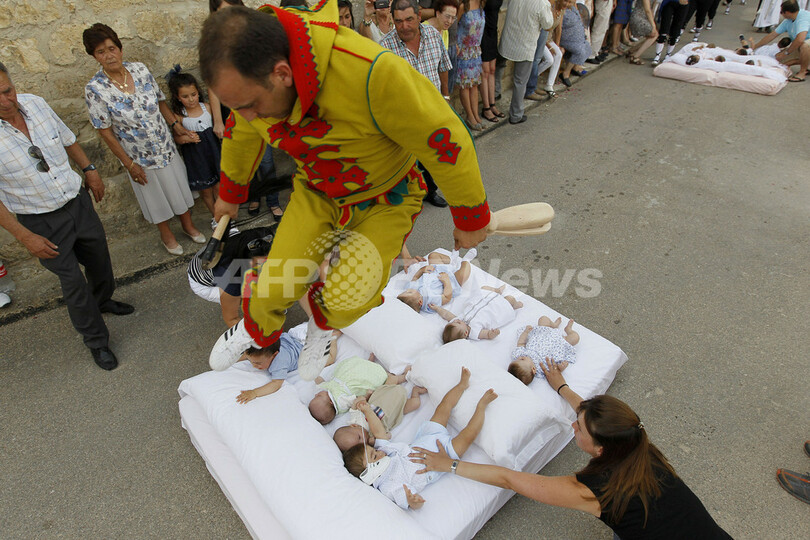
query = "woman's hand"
x=186 y=139
x=369 y=9
x=137 y=173
x=219 y=129
x=553 y=373
x=179 y=131
x=438 y=461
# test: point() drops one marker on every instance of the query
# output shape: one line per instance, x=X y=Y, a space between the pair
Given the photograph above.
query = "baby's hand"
x=432 y=306
x=415 y=501
x=407 y=369
x=492 y=333
x=362 y=404
x=245 y=396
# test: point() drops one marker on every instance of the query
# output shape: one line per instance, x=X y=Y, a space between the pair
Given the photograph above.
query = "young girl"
x=201 y=157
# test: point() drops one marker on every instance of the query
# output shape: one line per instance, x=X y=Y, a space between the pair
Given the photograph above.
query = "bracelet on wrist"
x=561 y=387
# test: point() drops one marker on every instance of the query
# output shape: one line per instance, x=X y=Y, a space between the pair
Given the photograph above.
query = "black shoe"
x=435 y=199
x=807 y=448
x=116 y=308
x=594 y=60
x=794 y=483
x=498 y=97
x=523 y=119
x=566 y=81
x=602 y=56
x=104 y=358
x=255 y=210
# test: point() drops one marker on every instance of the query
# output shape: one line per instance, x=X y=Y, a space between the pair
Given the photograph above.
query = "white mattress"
x=455 y=508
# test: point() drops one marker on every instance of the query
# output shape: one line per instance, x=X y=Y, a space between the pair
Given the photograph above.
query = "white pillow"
x=395 y=333
x=294 y=464
x=516 y=424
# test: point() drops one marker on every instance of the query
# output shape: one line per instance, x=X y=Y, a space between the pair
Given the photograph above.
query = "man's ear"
x=282 y=72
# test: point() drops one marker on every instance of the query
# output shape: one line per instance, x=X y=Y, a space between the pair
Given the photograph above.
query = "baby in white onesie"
x=546 y=341
x=482 y=316
x=393 y=467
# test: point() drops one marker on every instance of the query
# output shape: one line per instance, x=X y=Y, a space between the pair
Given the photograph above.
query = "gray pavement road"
x=692 y=202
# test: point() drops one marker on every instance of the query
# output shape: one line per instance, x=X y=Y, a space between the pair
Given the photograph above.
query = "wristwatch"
x=89 y=168
x=454 y=466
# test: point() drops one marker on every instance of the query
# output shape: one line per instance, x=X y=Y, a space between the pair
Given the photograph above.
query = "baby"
x=537 y=343
x=771 y=49
x=353 y=377
x=438 y=281
x=389 y=403
x=386 y=465
x=482 y=316
x=279 y=359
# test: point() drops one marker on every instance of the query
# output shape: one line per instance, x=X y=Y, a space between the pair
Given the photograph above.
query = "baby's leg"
x=463 y=273
x=397 y=379
x=499 y=290
x=438 y=258
x=415 y=400
x=466 y=436
x=513 y=302
x=545 y=321
x=450 y=399
x=571 y=336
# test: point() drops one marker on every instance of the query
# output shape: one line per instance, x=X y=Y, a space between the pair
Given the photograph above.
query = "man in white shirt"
x=525 y=19
x=55 y=219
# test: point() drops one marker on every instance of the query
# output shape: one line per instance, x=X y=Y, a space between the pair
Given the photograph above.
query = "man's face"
x=406 y=21
x=253 y=100
x=8 y=98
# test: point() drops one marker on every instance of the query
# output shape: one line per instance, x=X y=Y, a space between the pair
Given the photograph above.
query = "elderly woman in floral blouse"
x=130 y=112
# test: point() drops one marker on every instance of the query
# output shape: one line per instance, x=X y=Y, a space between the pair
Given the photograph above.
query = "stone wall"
x=41 y=45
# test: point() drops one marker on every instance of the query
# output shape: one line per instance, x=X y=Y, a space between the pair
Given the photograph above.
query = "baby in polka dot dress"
x=546 y=340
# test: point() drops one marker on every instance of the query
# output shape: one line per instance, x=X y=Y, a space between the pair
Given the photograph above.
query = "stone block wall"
x=41 y=45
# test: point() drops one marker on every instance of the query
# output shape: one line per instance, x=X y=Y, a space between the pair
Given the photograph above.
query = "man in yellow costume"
x=355 y=117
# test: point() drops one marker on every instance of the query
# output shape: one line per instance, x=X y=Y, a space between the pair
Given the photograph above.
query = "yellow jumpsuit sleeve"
x=242 y=151
x=409 y=110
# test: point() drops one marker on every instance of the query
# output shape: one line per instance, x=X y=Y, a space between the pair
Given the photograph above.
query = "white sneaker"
x=693 y=30
x=315 y=353
x=4 y=300
x=230 y=346
x=656 y=60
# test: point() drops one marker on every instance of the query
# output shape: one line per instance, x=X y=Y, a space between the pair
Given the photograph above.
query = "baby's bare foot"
x=518 y=304
x=500 y=289
x=569 y=325
x=557 y=322
x=418 y=390
x=488 y=397
x=465 y=378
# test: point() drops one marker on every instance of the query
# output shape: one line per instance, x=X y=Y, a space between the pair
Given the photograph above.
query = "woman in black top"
x=628 y=483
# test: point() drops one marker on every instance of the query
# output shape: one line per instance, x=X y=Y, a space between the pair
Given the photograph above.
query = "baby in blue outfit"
x=438 y=282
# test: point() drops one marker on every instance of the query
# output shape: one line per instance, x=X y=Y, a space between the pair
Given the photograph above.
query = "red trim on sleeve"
x=471 y=218
x=230 y=191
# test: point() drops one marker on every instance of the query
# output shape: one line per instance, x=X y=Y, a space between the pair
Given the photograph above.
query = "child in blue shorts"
x=387 y=466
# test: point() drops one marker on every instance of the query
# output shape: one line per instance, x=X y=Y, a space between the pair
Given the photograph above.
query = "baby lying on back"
x=544 y=341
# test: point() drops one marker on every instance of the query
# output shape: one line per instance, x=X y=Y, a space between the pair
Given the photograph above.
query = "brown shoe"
x=534 y=96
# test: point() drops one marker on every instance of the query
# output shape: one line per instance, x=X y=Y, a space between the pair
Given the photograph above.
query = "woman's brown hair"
x=632 y=464
x=98 y=34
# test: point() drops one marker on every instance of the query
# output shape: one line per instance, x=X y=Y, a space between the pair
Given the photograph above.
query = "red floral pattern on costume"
x=446 y=149
x=229 y=123
x=327 y=175
x=471 y=218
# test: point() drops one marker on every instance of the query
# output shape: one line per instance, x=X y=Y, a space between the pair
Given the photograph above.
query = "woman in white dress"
x=130 y=112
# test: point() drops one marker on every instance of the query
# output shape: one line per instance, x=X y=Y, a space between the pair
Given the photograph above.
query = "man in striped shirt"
x=55 y=219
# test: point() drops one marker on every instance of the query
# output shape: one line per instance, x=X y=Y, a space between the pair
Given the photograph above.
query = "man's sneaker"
x=693 y=29
x=709 y=24
x=727 y=11
x=315 y=353
x=230 y=346
x=794 y=483
x=656 y=60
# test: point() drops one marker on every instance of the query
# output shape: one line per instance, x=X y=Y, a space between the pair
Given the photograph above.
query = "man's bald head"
x=250 y=41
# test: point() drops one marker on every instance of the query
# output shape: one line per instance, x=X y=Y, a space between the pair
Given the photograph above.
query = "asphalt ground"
x=691 y=202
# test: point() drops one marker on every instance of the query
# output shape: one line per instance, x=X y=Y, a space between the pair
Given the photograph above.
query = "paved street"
x=691 y=202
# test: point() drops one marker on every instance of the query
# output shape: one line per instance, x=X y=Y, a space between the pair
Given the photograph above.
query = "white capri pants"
x=552 y=58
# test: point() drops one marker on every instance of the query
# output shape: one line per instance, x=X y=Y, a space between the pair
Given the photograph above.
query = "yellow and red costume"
x=362 y=118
